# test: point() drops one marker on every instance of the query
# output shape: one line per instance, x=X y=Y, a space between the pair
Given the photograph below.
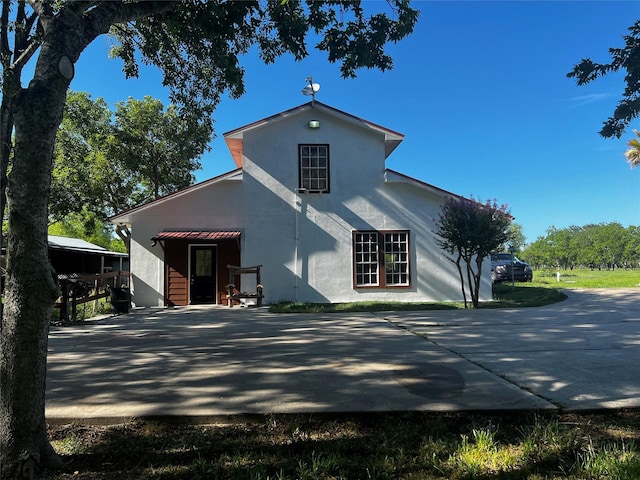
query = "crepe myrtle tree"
x=468 y=231
x=197 y=45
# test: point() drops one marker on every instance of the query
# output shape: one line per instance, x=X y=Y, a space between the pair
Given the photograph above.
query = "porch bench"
x=234 y=294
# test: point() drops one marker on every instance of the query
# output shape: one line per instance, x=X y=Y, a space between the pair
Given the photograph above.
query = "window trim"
x=327 y=168
x=381 y=260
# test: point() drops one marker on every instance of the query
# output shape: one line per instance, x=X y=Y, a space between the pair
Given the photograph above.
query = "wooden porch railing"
x=76 y=289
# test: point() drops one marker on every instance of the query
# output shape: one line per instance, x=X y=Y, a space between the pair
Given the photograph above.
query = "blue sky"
x=480 y=93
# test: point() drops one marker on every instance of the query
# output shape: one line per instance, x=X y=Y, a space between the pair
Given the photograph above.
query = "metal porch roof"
x=196 y=235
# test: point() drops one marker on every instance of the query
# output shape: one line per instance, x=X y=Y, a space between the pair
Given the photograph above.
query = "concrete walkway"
x=211 y=362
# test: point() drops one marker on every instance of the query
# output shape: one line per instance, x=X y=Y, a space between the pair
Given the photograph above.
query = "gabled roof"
x=234 y=138
x=391 y=176
x=125 y=217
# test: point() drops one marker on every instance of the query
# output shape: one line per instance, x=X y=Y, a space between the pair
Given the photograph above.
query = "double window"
x=313 y=164
x=381 y=259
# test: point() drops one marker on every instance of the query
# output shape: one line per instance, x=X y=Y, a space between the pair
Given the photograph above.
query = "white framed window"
x=313 y=167
x=396 y=258
x=365 y=258
x=381 y=259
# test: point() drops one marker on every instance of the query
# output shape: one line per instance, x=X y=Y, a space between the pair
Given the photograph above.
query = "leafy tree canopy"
x=88 y=226
x=627 y=59
x=604 y=245
x=113 y=161
x=160 y=147
x=198 y=44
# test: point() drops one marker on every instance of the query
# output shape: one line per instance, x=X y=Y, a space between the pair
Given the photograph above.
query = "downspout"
x=298 y=208
x=163 y=273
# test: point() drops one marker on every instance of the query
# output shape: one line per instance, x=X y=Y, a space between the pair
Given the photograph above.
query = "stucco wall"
x=304 y=240
x=218 y=207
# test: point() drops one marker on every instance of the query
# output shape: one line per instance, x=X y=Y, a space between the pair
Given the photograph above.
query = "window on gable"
x=313 y=162
x=381 y=259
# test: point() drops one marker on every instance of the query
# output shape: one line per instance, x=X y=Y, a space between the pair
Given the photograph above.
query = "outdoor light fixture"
x=314 y=123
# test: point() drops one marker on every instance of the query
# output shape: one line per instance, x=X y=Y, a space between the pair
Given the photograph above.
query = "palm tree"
x=633 y=154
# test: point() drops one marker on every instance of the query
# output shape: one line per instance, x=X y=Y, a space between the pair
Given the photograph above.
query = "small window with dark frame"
x=377 y=252
x=313 y=162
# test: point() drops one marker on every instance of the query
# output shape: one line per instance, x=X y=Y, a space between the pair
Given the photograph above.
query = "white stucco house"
x=311 y=202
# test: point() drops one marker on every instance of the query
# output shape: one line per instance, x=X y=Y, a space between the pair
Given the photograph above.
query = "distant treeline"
x=602 y=246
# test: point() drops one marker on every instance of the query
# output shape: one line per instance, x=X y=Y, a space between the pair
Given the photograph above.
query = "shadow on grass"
x=508 y=296
x=382 y=445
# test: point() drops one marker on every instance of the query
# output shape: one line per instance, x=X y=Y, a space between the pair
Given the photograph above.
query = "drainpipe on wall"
x=298 y=211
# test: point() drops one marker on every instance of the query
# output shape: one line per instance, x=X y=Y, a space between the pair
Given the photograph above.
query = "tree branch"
x=5 y=50
x=43 y=10
x=26 y=55
x=109 y=13
x=25 y=45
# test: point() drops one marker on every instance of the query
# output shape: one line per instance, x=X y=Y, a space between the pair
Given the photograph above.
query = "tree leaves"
x=469 y=231
x=606 y=245
x=633 y=153
x=628 y=60
x=472 y=228
x=198 y=45
x=111 y=162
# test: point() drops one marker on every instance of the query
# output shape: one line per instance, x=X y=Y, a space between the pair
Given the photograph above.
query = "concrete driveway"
x=208 y=362
x=578 y=354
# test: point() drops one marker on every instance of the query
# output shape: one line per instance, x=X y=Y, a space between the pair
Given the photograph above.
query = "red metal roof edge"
x=196 y=235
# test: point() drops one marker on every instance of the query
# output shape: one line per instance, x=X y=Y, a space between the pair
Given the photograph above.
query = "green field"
x=586 y=278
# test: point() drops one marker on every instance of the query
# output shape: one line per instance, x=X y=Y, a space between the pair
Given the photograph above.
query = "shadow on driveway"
x=206 y=362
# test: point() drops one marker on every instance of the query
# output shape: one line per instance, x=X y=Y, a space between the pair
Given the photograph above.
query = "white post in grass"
x=513 y=281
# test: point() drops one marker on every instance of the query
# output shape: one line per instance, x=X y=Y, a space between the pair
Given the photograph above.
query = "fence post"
x=64 y=314
x=96 y=284
x=74 y=308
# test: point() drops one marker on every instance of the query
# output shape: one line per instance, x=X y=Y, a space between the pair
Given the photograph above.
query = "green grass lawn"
x=543 y=290
x=505 y=296
x=384 y=446
x=586 y=278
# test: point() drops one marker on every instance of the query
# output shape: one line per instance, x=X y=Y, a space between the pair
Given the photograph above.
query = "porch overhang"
x=196 y=235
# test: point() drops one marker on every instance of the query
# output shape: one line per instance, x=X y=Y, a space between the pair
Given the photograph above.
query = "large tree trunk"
x=31 y=286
